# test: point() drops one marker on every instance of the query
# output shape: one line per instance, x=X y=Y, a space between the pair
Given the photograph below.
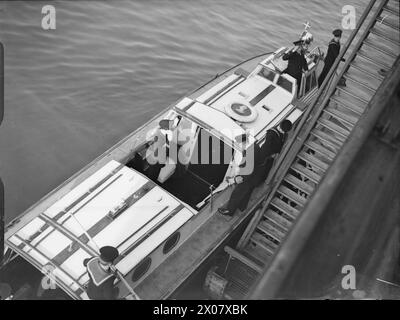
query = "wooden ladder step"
x=266 y=244
x=284 y=207
x=327 y=139
x=366 y=86
x=277 y=219
x=270 y=231
x=379 y=64
x=340 y=116
x=306 y=172
x=237 y=255
x=383 y=36
x=298 y=184
x=341 y=89
x=376 y=76
x=341 y=132
x=387 y=23
x=258 y=251
x=313 y=161
x=380 y=49
x=391 y=10
x=353 y=107
x=292 y=196
x=320 y=149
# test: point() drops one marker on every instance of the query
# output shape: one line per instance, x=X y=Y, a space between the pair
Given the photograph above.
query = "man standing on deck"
x=296 y=63
x=101 y=277
x=274 y=141
x=333 y=52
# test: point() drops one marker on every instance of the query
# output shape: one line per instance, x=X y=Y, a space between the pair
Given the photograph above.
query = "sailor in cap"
x=101 y=277
x=333 y=52
x=297 y=63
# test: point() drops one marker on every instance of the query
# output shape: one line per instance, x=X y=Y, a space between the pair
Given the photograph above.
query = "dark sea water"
x=71 y=93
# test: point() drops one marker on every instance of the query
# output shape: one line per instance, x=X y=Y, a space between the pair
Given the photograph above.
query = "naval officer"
x=333 y=52
x=297 y=62
x=263 y=161
x=101 y=277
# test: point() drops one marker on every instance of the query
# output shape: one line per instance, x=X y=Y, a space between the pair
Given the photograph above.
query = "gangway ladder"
x=315 y=144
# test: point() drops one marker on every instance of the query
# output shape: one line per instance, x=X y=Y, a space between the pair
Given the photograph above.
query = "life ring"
x=241 y=112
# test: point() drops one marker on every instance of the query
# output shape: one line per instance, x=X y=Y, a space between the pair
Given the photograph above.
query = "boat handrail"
x=228 y=70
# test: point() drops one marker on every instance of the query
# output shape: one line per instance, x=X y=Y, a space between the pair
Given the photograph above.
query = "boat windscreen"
x=285 y=84
x=267 y=74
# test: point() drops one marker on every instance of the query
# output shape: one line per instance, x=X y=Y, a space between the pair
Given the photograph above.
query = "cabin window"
x=267 y=74
x=141 y=269
x=171 y=242
x=285 y=84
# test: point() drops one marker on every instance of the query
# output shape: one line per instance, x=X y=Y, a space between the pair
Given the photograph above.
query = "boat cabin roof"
x=57 y=238
x=245 y=102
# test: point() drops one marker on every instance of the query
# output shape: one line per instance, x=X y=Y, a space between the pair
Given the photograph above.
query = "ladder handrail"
x=285 y=159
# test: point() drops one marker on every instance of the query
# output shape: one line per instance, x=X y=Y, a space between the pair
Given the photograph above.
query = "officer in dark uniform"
x=296 y=62
x=101 y=283
x=333 y=52
x=274 y=141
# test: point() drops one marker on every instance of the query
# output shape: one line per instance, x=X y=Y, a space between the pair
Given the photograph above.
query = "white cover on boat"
x=51 y=238
x=218 y=121
x=271 y=109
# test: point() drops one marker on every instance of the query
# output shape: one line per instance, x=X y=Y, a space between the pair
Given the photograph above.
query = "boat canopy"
x=213 y=120
x=115 y=206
